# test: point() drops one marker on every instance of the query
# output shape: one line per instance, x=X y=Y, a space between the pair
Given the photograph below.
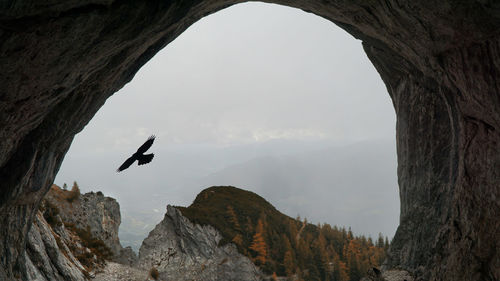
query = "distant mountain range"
x=346 y=185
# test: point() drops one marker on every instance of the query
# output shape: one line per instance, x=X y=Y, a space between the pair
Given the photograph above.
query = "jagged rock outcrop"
x=181 y=250
x=48 y=257
x=99 y=213
x=127 y=256
x=73 y=236
x=440 y=61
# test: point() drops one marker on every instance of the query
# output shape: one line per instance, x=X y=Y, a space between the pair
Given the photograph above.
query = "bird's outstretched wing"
x=146 y=145
x=127 y=163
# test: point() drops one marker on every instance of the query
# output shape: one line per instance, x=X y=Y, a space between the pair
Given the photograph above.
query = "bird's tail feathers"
x=146 y=158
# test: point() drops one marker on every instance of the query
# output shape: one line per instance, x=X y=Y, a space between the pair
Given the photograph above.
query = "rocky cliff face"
x=73 y=235
x=440 y=61
x=181 y=250
x=48 y=256
x=99 y=213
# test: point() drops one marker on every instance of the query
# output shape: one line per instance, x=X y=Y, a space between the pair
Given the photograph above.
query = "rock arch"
x=440 y=61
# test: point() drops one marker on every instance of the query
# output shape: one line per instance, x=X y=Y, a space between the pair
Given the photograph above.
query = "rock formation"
x=48 y=257
x=99 y=213
x=181 y=250
x=120 y=272
x=440 y=61
x=73 y=237
x=388 y=275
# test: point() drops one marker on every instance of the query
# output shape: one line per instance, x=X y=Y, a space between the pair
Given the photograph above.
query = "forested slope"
x=282 y=245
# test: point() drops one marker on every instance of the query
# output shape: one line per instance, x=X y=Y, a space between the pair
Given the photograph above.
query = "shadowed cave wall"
x=440 y=61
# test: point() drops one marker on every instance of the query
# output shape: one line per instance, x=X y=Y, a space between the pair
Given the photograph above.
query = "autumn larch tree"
x=259 y=244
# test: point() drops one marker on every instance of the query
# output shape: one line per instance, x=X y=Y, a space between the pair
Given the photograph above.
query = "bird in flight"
x=139 y=155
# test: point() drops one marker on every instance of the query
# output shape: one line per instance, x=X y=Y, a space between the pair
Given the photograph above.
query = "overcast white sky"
x=247 y=75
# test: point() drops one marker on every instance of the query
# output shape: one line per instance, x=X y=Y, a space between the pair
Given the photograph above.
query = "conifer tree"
x=259 y=244
x=380 y=240
x=288 y=263
x=233 y=218
x=349 y=234
x=292 y=225
x=340 y=269
x=238 y=240
x=288 y=258
x=386 y=243
x=249 y=225
x=74 y=193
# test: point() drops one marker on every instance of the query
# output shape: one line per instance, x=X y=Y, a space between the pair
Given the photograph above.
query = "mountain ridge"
x=281 y=245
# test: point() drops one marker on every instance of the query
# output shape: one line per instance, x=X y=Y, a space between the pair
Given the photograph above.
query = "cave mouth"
x=440 y=65
x=267 y=87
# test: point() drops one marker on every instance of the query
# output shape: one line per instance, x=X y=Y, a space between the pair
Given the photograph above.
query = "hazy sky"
x=245 y=76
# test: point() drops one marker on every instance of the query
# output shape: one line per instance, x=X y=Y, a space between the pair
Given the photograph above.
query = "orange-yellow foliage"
x=259 y=244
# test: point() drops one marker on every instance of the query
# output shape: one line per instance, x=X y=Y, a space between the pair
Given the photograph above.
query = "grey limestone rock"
x=48 y=258
x=50 y=253
x=120 y=272
x=181 y=250
x=127 y=256
x=101 y=215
